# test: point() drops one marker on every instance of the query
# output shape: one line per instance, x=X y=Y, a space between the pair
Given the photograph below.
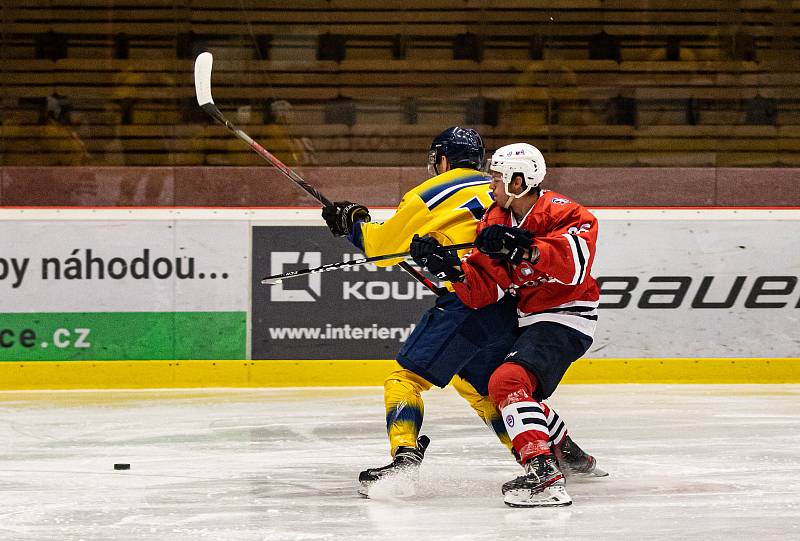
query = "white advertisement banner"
x=702 y=283
x=125 y=264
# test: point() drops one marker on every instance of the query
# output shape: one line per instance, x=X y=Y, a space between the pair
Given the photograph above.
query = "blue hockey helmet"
x=463 y=147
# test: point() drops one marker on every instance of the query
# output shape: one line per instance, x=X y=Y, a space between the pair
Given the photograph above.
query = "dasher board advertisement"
x=674 y=283
x=359 y=312
x=123 y=289
x=698 y=287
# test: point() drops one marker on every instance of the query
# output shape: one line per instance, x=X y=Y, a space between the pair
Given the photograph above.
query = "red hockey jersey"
x=559 y=286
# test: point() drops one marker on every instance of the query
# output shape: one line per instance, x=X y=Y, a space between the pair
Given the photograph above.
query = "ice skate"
x=404 y=469
x=541 y=486
x=575 y=462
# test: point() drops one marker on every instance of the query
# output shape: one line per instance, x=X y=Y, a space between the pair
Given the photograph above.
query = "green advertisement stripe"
x=73 y=336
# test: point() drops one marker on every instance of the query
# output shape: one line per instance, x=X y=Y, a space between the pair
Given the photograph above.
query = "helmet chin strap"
x=512 y=196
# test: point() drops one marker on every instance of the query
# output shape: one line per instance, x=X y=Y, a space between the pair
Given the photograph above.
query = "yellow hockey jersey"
x=447 y=207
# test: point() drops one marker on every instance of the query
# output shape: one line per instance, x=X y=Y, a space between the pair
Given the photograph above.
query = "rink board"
x=689 y=296
x=294 y=373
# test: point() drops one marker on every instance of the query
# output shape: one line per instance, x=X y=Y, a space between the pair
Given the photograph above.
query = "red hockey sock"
x=511 y=387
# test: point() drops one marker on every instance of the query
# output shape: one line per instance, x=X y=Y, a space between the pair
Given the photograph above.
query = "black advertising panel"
x=359 y=312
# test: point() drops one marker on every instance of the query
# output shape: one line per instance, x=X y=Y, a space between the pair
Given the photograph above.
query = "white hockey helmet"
x=519 y=158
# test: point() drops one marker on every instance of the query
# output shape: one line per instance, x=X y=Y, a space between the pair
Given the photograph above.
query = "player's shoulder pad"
x=448 y=182
x=442 y=178
x=555 y=204
x=550 y=197
x=560 y=209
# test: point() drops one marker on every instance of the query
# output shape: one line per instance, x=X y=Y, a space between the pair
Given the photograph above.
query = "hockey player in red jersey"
x=538 y=246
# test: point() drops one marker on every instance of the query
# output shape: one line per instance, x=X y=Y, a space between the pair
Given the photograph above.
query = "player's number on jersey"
x=475 y=207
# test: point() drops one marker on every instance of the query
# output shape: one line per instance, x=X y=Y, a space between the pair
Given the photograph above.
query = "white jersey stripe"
x=446 y=193
x=584 y=248
x=573 y=246
x=576 y=311
x=587 y=304
x=581 y=324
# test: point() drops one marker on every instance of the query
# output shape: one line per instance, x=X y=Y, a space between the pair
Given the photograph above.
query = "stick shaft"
x=421 y=278
x=202 y=83
x=215 y=113
x=278 y=278
x=202 y=86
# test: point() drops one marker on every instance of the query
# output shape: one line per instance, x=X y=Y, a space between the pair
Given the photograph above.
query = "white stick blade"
x=202 y=78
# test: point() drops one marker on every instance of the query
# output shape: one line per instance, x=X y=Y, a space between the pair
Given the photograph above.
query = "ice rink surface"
x=686 y=462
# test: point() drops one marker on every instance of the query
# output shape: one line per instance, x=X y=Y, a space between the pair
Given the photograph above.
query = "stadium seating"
x=344 y=82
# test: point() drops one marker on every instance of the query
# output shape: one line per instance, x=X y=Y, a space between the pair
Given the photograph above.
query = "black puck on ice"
x=122 y=466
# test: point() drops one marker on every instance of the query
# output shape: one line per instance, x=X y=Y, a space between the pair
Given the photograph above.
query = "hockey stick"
x=202 y=87
x=278 y=278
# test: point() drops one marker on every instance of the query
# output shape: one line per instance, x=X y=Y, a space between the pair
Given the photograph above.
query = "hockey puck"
x=122 y=466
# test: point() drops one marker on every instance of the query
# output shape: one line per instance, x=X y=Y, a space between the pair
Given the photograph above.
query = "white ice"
x=686 y=462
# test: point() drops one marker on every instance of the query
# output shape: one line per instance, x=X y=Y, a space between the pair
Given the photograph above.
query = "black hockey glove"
x=341 y=215
x=503 y=242
x=427 y=253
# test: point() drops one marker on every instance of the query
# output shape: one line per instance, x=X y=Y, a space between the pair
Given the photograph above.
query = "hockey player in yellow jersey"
x=446 y=206
x=451 y=343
